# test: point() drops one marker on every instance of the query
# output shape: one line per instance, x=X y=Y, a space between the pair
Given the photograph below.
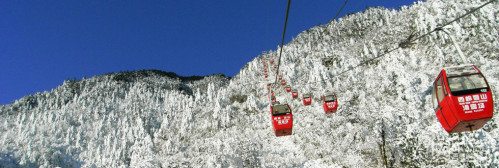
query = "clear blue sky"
x=42 y=43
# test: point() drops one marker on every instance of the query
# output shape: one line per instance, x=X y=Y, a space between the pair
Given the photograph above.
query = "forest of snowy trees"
x=385 y=118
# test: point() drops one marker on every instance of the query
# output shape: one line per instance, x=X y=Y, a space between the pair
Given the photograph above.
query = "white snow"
x=157 y=121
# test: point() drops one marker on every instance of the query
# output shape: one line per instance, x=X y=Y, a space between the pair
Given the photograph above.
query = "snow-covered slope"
x=385 y=118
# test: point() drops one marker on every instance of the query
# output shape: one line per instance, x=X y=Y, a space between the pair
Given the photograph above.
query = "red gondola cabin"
x=264 y=70
x=330 y=103
x=282 y=119
x=266 y=75
x=271 y=94
x=288 y=88
x=283 y=83
x=294 y=94
x=462 y=99
x=275 y=66
x=268 y=86
x=280 y=77
x=307 y=99
x=271 y=61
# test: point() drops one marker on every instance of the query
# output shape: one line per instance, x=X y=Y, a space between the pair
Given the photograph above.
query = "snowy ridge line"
x=400 y=45
x=456 y=19
x=346 y=1
x=406 y=42
x=363 y=63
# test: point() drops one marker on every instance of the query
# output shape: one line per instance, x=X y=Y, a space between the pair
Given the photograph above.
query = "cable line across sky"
x=407 y=42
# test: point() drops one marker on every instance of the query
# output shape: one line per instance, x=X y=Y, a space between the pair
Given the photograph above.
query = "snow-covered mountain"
x=385 y=118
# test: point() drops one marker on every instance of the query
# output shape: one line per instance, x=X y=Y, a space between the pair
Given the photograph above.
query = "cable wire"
x=283 y=35
x=387 y=51
x=340 y=9
x=409 y=41
x=417 y=38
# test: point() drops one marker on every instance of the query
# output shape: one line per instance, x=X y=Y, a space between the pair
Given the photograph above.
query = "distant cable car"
x=266 y=75
x=271 y=94
x=272 y=61
x=273 y=99
x=268 y=86
x=280 y=77
x=307 y=99
x=282 y=119
x=462 y=99
x=264 y=70
x=275 y=66
x=330 y=103
x=283 y=82
x=294 y=94
x=276 y=72
x=288 y=88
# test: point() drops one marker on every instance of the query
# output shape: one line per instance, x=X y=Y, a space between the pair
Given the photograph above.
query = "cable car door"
x=441 y=105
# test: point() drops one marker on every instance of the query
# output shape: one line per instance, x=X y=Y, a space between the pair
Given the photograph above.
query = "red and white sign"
x=330 y=104
x=473 y=103
x=282 y=120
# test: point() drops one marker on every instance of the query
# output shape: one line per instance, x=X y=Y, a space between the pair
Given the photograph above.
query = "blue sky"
x=42 y=43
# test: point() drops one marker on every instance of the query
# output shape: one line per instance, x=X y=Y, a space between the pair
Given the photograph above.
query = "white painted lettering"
x=483 y=96
x=481 y=105
x=473 y=106
x=476 y=97
x=466 y=107
x=460 y=99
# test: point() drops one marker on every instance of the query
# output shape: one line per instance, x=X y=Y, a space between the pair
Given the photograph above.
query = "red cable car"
x=275 y=66
x=271 y=61
x=283 y=82
x=307 y=99
x=264 y=70
x=282 y=119
x=280 y=77
x=271 y=94
x=266 y=75
x=294 y=94
x=276 y=72
x=330 y=103
x=288 y=88
x=272 y=98
x=268 y=86
x=462 y=99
